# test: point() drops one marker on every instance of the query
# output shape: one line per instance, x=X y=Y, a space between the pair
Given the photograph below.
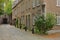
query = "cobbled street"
x=8 y=32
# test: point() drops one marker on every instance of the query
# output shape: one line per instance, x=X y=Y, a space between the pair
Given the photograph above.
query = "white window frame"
x=58 y=3
x=58 y=20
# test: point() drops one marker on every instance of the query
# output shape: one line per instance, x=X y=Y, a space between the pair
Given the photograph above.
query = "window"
x=33 y=19
x=26 y=5
x=43 y=8
x=22 y=19
x=15 y=12
x=58 y=2
x=28 y=20
x=37 y=2
x=58 y=20
x=21 y=8
x=34 y=3
x=29 y=4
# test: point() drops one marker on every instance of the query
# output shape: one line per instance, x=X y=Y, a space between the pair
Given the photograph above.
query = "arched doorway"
x=5 y=21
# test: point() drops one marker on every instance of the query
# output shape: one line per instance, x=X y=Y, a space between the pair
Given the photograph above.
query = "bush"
x=42 y=24
x=16 y=22
x=50 y=20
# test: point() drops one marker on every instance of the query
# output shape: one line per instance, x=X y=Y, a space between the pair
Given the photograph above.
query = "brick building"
x=26 y=10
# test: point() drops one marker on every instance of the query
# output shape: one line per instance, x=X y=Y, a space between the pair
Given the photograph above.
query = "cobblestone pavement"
x=8 y=32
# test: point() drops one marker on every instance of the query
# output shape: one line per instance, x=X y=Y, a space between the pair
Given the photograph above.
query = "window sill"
x=33 y=7
x=58 y=5
x=57 y=24
x=38 y=5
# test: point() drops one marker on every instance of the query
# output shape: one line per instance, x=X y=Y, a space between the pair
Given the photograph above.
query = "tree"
x=1 y=7
x=1 y=11
x=8 y=7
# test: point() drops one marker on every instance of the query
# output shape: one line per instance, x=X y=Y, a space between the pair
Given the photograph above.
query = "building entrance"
x=5 y=21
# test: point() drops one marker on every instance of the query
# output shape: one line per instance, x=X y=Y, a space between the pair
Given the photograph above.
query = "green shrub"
x=42 y=24
x=23 y=25
x=50 y=20
x=16 y=22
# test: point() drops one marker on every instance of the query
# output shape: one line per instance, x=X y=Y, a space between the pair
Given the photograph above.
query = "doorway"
x=28 y=21
x=5 y=21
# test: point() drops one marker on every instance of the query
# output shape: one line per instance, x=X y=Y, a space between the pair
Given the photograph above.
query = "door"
x=5 y=21
x=28 y=21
